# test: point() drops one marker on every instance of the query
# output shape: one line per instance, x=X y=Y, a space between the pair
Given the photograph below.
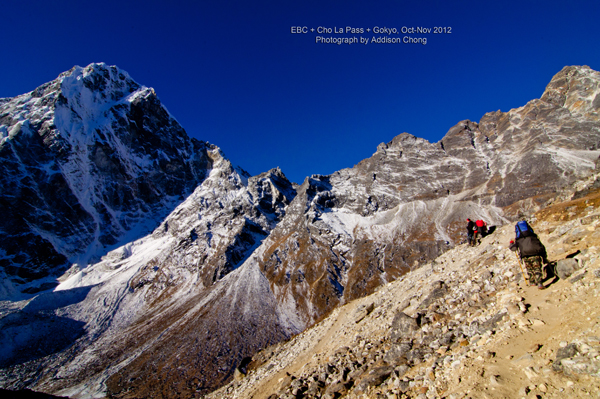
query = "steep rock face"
x=90 y=161
x=121 y=163
x=576 y=89
x=347 y=233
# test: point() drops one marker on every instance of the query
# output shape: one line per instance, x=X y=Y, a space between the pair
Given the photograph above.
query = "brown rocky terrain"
x=465 y=325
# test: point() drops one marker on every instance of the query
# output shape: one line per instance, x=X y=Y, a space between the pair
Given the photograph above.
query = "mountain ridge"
x=435 y=186
x=465 y=324
x=243 y=262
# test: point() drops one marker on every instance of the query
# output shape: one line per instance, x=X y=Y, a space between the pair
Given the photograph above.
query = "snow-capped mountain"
x=90 y=161
x=234 y=263
x=121 y=164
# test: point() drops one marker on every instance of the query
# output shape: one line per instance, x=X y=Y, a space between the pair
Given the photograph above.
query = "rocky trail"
x=465 y=325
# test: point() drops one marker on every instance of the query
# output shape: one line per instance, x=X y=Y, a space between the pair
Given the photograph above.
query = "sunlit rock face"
x=180 y=265
x=347 y=233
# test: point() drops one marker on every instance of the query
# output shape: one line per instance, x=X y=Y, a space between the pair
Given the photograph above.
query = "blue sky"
x=233 y=74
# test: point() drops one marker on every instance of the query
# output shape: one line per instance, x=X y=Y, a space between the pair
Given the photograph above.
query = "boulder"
x=397 y=354
x=564 y=353
x=403 y=326
x=362 y=312
x=373 y=377
x=566 y=267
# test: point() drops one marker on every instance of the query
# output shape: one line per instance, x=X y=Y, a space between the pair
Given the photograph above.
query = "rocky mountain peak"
x=577 y=89
x=97 y=83
x=97 y=149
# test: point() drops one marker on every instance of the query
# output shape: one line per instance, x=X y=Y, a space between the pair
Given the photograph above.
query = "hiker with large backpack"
x=531 y=251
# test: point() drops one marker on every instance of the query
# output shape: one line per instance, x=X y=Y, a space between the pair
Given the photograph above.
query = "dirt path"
x=518 y=362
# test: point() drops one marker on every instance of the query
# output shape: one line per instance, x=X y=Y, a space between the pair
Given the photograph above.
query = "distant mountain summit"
x=233 y=263
x=89 y=162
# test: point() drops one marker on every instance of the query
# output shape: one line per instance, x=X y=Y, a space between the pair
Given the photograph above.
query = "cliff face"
x=348 y=233
x=234 y=263
x=90 y=161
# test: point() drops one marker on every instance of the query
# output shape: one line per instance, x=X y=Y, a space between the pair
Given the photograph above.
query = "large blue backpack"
x=523 y=229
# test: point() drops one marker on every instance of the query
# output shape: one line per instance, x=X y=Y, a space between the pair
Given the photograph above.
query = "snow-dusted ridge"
x=91 y=160
x=192 y=254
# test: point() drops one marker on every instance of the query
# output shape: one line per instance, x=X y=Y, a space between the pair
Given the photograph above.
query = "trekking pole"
x=521 y=266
